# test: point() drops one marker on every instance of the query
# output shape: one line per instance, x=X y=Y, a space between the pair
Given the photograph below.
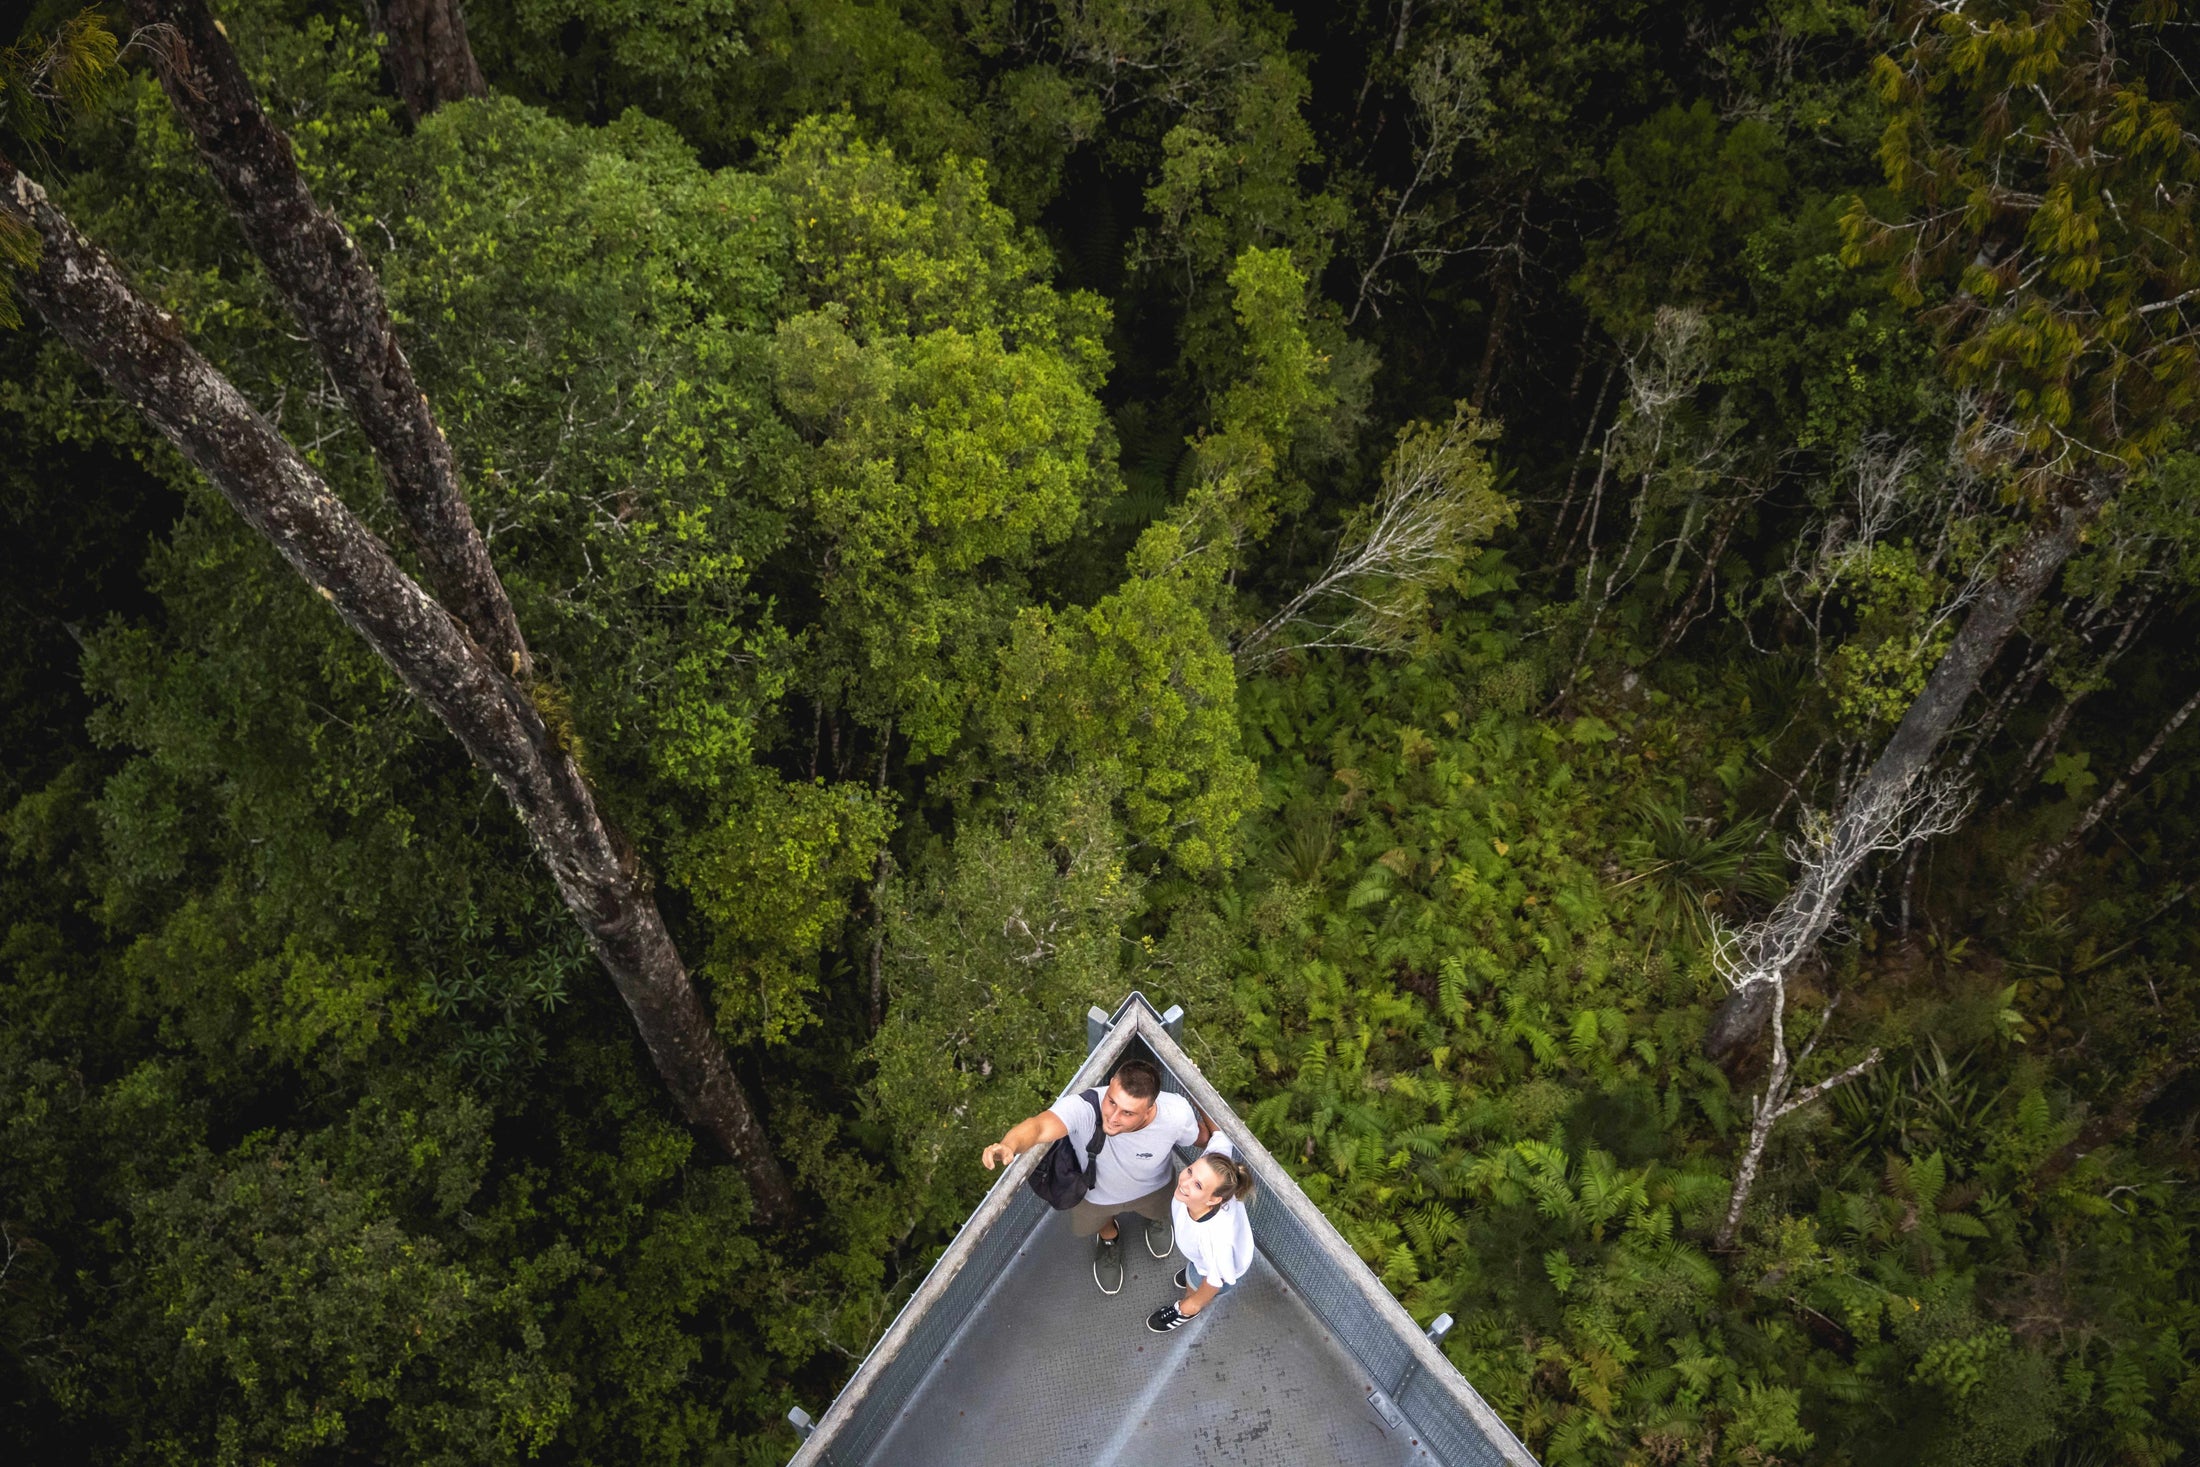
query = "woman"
x=1212 y=1229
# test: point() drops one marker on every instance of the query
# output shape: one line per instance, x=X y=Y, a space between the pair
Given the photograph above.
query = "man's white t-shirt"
x=1136 y=1162
x=1219 y=1245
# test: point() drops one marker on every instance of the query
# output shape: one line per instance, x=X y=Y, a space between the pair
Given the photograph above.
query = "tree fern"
x=1426 y=1139
x=1314 y=1061
x=1451 y=988
x=1431 y=1226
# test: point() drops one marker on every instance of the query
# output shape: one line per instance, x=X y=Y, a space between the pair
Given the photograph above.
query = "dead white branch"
x=1451 y=104
x=1437 y=499
x=1828 y=854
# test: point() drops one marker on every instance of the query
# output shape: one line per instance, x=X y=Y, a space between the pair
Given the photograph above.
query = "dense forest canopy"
x=606 y=641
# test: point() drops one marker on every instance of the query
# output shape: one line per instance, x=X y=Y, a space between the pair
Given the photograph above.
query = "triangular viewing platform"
x=1007 y=1356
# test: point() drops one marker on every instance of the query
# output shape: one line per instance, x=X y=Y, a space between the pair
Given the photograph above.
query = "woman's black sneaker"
x=1183 y=1279
x=1164 y=1319
x=1107 y=1264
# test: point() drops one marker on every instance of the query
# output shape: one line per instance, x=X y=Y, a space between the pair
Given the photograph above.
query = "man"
x=1136 y=1171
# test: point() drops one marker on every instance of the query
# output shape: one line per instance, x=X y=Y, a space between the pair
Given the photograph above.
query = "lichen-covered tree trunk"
x=425 y=47
x=337 y=298
x=141 y=353
x=2024 y=575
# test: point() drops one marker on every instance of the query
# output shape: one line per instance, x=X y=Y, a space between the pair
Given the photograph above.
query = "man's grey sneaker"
x=1161 y=1237
x=1107 y=1264
x=1164 y=1319
x=1183 y=1279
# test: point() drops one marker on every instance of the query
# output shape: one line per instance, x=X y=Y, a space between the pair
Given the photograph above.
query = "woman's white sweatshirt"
x=1220 y=1245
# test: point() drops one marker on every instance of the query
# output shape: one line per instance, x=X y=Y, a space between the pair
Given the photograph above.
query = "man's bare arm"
x=1206 y=1132
x=1039 y=1130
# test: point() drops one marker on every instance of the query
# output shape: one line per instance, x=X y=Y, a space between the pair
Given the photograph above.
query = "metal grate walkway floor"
x=1050 y=1372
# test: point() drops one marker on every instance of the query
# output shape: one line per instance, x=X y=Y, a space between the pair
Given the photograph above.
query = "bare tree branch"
x=1452 y=103
x=1436 y=499
x=1831 y=1082
x=1763 y=955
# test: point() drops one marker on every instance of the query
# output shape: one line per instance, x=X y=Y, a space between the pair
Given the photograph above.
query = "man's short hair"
x=1140 y=1081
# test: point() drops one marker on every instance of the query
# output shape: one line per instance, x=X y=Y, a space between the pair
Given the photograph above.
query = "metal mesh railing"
x=1454 y=1437
x=1284 y=1242
x=874 y=1416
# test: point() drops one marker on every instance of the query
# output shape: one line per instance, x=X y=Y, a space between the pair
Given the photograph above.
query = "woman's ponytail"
x=1233 y=1178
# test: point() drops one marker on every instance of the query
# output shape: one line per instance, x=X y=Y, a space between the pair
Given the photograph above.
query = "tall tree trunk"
x=141 y=353
x=2053 y=855
x=424 y=45
x=1581 y=455
x=338 y=300
x=879 y=873
x=1773 y=1105
x=1507 y=286
x=2025 y=574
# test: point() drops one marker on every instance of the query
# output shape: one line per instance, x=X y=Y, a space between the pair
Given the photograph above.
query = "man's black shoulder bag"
x=1061 y=1178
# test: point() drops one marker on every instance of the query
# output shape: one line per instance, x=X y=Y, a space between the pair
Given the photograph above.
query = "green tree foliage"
x=949 y=393
x=2061 y=190
x=992 y=940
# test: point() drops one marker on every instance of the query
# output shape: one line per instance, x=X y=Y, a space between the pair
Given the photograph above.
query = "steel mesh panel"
x=1450 y=1433
x=1052 y=1373
x=1283 y=1241
x=874 y=1416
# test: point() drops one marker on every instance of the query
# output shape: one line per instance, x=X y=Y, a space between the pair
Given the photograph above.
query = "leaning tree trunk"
x=424 y=45
x=141 y=353
x=2024 y=575
x=337 y=298
x=2053 y=855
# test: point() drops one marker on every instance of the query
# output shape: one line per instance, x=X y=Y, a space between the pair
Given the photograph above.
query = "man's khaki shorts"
x=1087 y=1218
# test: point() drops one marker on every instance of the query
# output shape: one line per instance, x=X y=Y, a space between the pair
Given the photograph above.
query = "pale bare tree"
x=1763 y=955
x=1670 y=463
x=1438 y=497
x=1996 y=596
x=1451 y=106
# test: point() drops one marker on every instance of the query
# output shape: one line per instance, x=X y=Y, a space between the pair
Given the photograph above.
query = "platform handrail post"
x=1097 y=1024
x=1438 y=1327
